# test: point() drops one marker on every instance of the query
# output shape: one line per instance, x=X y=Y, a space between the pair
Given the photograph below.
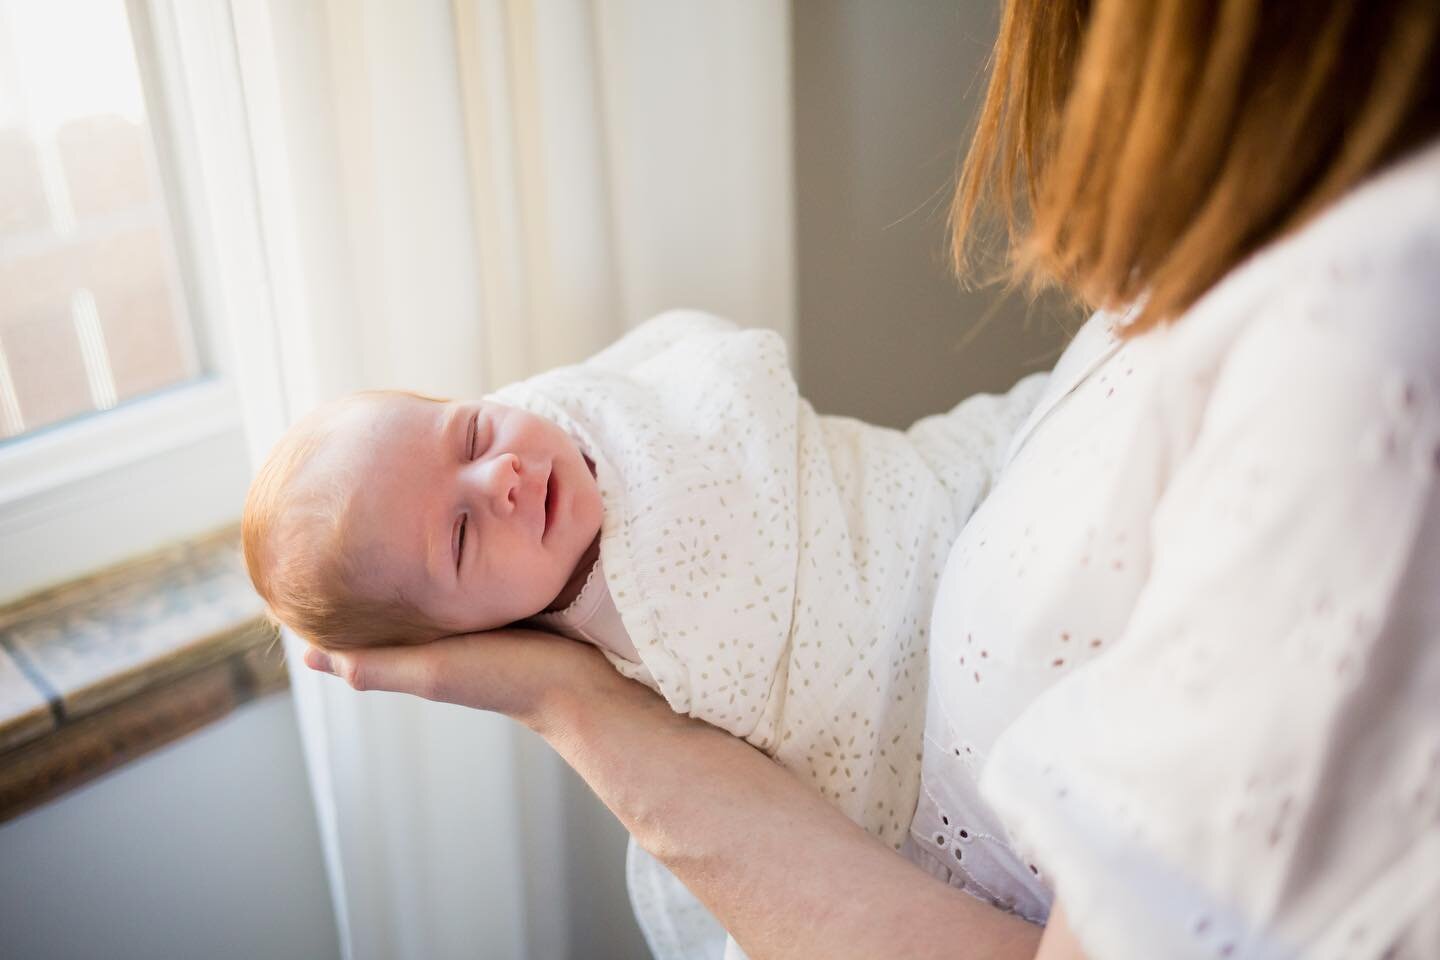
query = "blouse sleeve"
x=1253 y=770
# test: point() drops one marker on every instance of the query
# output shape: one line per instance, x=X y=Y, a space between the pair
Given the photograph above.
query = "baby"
x=390 y=517
x=673 y=501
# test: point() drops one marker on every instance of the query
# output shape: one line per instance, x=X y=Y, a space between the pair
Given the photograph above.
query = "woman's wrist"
x=610 y=730
x=587 y=685
x=737 y=829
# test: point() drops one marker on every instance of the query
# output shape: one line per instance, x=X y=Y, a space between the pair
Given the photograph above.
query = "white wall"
x=206 y=848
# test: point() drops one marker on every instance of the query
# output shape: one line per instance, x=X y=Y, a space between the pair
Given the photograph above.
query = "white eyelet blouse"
x=1185 y=661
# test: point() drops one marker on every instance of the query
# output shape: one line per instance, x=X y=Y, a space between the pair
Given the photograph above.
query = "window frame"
x=84 y=494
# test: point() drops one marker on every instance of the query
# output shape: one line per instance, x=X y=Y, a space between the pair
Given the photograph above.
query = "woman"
x=1184 y=667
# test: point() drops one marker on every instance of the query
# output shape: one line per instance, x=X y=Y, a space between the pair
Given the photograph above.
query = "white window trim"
x=59 y=457
x=83 y=495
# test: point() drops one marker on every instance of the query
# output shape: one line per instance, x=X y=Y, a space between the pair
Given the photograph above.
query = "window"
x=93 y=310
x=119 y=429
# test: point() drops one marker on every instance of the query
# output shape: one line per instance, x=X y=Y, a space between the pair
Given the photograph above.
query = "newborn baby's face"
x=477 y=513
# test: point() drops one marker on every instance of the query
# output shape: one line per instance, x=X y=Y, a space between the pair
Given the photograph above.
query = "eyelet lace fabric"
x=775 y=569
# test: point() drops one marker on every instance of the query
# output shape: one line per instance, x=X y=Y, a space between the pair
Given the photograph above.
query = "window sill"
x=102 y=670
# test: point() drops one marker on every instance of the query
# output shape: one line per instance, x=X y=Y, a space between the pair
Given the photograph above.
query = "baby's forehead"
x=369 y=470
x=376 y=407
x=349 y=437
x=369 y=421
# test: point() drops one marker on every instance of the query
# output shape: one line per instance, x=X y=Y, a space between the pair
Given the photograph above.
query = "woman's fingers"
x=396 y=669
x=508 y=671
x=317 y=659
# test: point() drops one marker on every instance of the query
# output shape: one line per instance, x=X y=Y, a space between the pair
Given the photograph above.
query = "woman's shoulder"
x=1339 y=312
x=1363 y=274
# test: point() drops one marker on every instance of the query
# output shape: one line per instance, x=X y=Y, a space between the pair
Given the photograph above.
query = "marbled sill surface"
x=102 y=669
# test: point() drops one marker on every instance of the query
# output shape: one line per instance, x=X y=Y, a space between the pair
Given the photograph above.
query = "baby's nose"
x=500 y=481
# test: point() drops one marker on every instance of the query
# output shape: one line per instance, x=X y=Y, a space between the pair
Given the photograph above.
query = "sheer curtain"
x=452 y=195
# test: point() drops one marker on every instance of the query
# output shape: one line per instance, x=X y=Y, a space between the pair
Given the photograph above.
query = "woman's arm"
x=785 y=873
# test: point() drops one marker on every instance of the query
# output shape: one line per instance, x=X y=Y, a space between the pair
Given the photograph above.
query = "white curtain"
x=453 y=195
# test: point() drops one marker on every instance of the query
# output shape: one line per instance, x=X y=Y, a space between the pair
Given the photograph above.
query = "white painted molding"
x=86 y=494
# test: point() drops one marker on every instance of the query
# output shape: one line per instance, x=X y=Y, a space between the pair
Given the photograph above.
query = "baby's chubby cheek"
x=591 y=512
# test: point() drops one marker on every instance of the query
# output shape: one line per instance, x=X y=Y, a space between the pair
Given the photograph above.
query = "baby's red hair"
x=297 y=551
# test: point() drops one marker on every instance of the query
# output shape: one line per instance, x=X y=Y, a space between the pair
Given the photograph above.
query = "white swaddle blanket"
x=775 y=569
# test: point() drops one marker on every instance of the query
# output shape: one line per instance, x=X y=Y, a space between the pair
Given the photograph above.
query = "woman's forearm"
x=786 y=873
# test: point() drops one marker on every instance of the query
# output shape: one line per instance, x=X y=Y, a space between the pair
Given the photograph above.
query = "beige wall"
x=884 y=99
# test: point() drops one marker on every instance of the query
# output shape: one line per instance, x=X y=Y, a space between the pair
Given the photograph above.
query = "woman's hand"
x=524 y=674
